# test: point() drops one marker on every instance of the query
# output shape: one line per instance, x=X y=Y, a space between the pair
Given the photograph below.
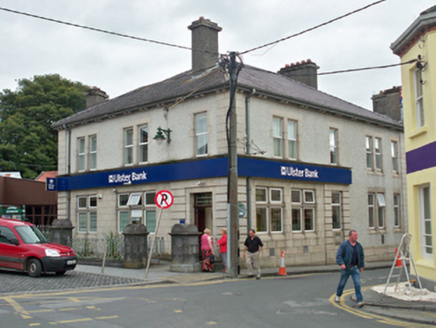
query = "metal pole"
x=233 y=174
x=152 y=245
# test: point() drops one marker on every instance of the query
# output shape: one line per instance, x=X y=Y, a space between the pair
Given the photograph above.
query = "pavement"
x=90 y=276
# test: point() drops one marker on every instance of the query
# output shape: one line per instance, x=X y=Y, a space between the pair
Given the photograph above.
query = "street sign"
x=242 y=210
x=164 y=199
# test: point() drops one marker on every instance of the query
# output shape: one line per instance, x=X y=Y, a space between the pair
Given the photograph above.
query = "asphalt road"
x=298 y=301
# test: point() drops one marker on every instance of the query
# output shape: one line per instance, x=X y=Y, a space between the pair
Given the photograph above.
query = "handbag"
x=212 y=258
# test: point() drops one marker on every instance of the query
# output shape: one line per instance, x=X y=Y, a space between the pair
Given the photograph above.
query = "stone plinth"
x=61 y=232
x=184 y=248
x=135 y=246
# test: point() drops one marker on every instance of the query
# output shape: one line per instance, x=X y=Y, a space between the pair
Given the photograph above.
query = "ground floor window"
x=87 y=214
x=303 y=210
x=269 y=209
x=376 y=211
x=425 y=221
x=336 y=210
x=137 y=208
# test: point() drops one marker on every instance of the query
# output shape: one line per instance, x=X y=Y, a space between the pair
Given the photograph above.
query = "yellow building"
x=418 y=44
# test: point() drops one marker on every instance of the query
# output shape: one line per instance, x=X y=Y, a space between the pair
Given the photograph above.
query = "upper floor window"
x=292 y=139
x=143 y=144
x=369 y=158
x=425 y=222
x=81 y=154
x=128 y=146
x=277 y=137
x=378 y=154
x=394 y=154
x=93 y=152
x=333 y=138
x=419 y=100
x=397 y=210
x=201 y=141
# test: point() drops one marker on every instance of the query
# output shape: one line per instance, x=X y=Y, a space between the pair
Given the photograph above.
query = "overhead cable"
x=105 y=31
x=313 y=28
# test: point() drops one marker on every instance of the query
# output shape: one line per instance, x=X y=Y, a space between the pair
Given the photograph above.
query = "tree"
x=27 y=142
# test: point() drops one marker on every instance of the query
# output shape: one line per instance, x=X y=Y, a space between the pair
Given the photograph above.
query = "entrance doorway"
x=203 y=213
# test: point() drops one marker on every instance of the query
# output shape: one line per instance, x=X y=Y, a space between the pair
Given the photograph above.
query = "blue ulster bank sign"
x=208 y=168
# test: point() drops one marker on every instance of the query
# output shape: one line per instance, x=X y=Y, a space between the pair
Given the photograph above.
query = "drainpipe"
x=247 y=152
x=68 y=169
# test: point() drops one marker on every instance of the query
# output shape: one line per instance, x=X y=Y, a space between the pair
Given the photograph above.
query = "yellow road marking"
x=34 y=324
x=74 y=299
x=178 y=311
x=41 y=311
x=108 y=317
x=90 y=307
x=70 y=309
x=211 y=323
x=17 y=307
x=71 y=321
x=343 y=306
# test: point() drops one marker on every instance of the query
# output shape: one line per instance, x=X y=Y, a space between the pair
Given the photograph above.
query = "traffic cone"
x=398 y=262
x=282 y=270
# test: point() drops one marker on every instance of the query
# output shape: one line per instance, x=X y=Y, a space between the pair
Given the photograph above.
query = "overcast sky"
x=31 y=47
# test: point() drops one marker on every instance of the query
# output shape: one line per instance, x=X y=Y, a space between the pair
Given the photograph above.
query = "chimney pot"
x=95 y=96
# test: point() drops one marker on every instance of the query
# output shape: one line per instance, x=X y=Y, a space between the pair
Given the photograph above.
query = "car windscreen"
x=31 y=235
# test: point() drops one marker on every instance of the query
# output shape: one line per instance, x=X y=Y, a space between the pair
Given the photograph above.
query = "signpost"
x=163 y=199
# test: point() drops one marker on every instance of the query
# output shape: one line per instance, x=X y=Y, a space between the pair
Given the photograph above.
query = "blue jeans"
x=355 y=274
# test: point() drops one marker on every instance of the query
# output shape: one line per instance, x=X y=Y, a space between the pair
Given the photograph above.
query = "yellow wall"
x=415 y=138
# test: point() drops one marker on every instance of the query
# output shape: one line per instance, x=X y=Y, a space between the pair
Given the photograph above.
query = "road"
x=297 y=301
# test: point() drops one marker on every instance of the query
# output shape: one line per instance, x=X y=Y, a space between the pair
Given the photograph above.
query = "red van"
x=23 y=247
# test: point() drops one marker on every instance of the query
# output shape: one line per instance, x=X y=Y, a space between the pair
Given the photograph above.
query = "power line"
x=313 y=28
x=367 y=68
x=105 y=31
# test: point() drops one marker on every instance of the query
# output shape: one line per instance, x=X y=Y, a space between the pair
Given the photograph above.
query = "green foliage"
x=27 y=142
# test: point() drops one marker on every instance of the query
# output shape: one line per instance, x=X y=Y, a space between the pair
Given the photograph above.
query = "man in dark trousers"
x=253 y=247
x=351 y=259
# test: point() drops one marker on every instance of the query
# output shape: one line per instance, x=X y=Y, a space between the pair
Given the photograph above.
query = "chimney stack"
x=204 y=37
x=95 y=96
x=305 y=72
x=388 y=102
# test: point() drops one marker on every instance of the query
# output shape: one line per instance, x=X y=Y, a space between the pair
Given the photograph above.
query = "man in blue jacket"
x=351 y=259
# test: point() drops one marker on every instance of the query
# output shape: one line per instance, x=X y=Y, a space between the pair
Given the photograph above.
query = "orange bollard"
x=398 y=262
x=282 y=270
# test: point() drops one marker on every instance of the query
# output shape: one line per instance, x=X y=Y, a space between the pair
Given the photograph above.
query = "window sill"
x=422 y=130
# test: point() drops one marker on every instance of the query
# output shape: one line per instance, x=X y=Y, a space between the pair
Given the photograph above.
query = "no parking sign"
x=164 y=199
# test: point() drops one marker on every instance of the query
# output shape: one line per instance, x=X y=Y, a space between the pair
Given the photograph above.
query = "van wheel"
x=34 y=268
x=60 y=273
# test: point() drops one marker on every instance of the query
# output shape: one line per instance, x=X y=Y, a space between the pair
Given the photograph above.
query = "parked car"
x=23 y=247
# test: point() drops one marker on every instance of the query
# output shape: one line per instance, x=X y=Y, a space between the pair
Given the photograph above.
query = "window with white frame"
x=394 y=155
x=269 y=209
x=122 y=200
x=150 y=211
x=81 y=154
x=135 y=199
x=278 y=137
x=369 y=156
x=378 y=154
x=143 y=144
x=87 y=214
x=425 y=222
x=397 y=210
x=333 y=140
x=201 y=142
x=337 y=210
x=137 y=208
x=419 y=98
x=303 y=210
x=123 y=220
x=128 y=146
x=93 y=152
x=292 y=140
x=376 y=211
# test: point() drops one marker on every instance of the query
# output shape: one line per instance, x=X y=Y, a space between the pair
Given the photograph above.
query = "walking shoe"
x=337 y=299
x=258 y=278
x=360 y=304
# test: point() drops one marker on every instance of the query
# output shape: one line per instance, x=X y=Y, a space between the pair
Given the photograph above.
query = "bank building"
x=311 y=166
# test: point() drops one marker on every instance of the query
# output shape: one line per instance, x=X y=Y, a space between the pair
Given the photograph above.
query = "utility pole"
x=232 y=197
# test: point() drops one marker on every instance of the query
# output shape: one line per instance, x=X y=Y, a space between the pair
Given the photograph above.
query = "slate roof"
x=268 y=83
